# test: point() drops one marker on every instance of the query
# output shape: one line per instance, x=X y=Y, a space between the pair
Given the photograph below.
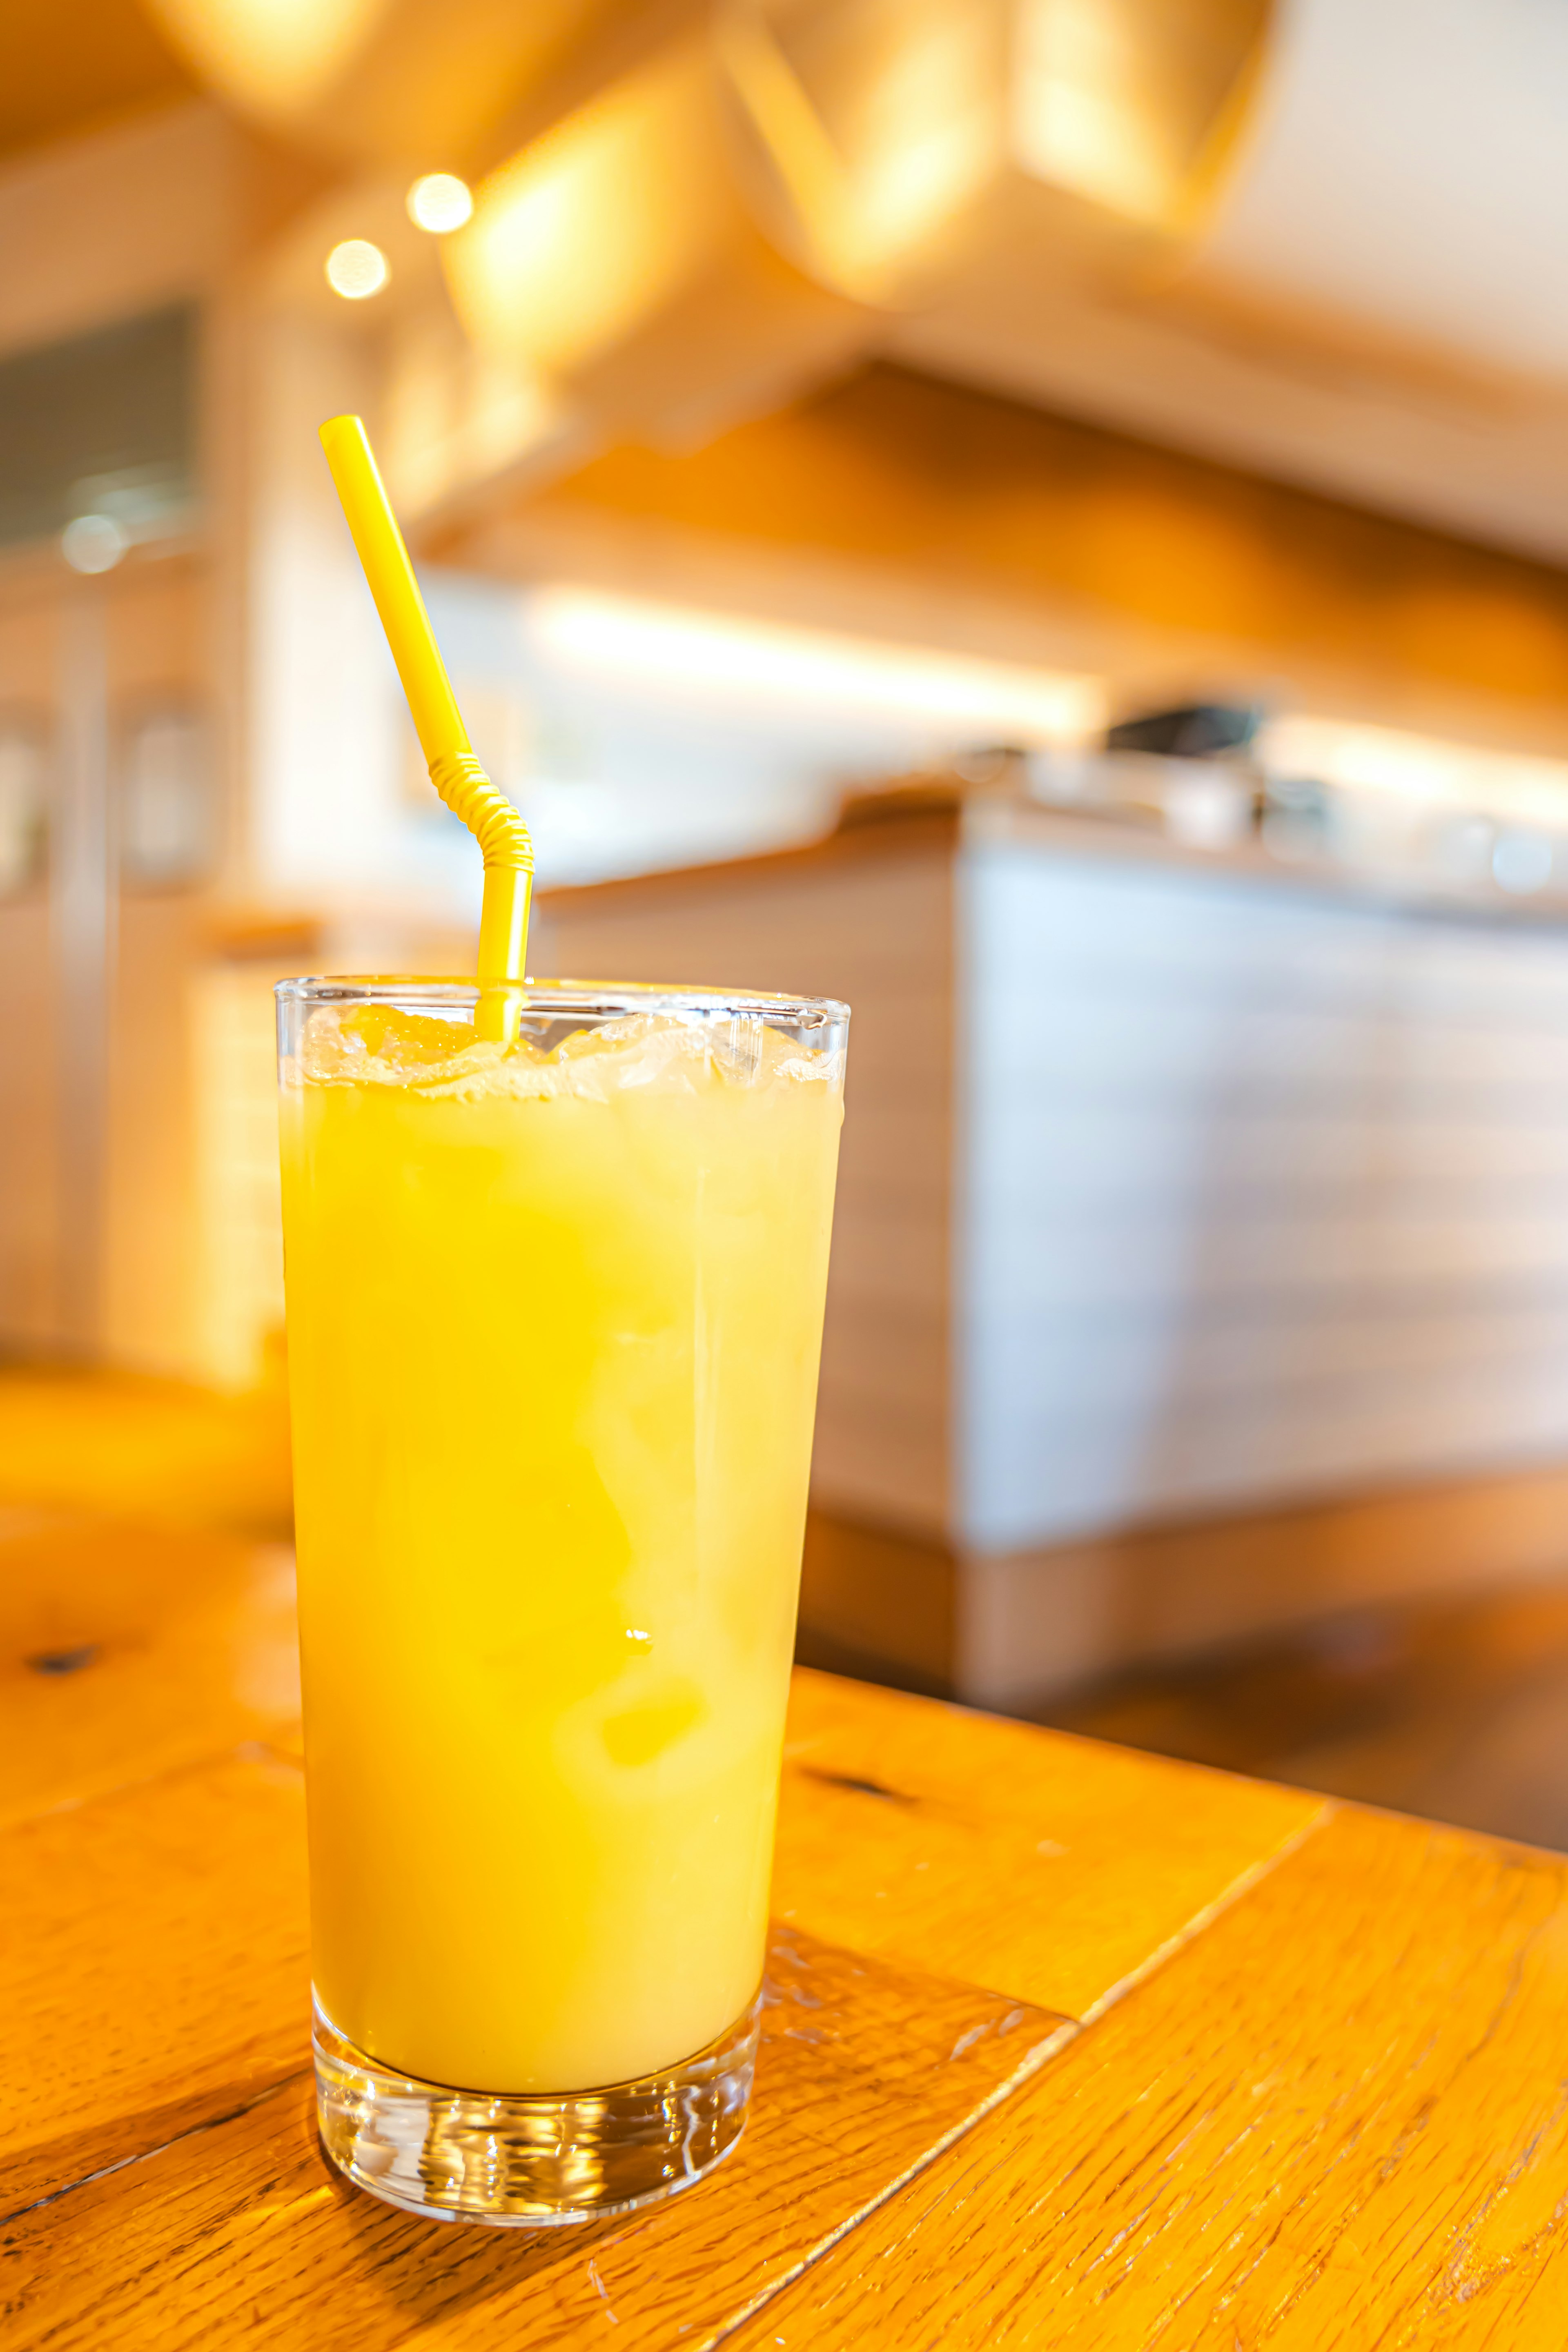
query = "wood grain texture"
x=162 y=1939
x=1337 y=2120
x=1315 y=2100
x=127 y=1652
x=1039 y=1866
x=156 y=1968
x=241 y=2233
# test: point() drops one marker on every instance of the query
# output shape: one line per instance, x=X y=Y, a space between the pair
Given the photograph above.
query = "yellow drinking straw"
x=502 y=836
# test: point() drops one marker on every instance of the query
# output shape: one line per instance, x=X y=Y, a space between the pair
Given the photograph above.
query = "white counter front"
x=1263 y=1189
x=1176 y=1189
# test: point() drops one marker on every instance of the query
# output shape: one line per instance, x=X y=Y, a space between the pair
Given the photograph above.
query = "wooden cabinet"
x=97 y=1117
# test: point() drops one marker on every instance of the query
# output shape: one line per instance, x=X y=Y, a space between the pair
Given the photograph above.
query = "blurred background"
x=1046 y=517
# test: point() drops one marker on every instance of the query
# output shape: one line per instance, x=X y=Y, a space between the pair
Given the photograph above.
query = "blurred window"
x=166 y=814
x=105 y=426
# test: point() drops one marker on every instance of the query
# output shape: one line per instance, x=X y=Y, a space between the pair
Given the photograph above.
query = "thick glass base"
x=531 y=2160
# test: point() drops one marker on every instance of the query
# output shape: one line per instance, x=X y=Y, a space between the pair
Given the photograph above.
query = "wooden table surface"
x=1066 y=2046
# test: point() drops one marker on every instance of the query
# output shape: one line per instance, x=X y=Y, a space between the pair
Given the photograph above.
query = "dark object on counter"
x=1196 y=732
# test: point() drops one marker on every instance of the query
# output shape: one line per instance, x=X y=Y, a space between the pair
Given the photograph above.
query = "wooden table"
x=1067 y=2047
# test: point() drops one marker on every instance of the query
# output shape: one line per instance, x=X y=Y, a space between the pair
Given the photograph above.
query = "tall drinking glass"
x=554 y=1314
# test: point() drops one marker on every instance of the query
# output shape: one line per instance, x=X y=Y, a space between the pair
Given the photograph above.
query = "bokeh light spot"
x=92 y=543
x=357 y=270
x=439 y=202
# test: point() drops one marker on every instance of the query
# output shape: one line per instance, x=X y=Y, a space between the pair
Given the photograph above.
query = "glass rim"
x=560 y=997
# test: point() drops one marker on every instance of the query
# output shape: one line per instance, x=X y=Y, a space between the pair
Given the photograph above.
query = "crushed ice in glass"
x=380 y=1045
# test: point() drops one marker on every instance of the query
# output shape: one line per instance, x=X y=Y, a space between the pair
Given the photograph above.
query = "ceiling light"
x=439 y=202
x=357 y=270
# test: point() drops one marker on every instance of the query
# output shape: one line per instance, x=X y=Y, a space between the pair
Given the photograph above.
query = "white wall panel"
x=1263 y=1191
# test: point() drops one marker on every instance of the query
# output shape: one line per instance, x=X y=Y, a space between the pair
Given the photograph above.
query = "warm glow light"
x=357 y=270
x=1134 y=104
x=439 y=202
x=270 y=55
x=1421 y=767
x=924 y=139
x=584 y=235
x=707 y=653
x=915 y=135
x=1080 y=117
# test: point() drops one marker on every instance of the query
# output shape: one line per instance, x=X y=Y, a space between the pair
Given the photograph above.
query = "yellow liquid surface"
x=553 y=1328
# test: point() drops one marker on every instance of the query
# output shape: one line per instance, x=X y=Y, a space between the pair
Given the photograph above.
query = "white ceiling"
x=1377 y=304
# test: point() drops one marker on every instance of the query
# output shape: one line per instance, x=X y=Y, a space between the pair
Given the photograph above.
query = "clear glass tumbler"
x=554 y=1315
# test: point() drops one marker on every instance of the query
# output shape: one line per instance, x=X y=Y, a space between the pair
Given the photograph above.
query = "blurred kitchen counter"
x=1067 y=2044
x=1201 y=1260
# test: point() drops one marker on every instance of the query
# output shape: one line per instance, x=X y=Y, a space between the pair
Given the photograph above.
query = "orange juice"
x=554 y=1312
